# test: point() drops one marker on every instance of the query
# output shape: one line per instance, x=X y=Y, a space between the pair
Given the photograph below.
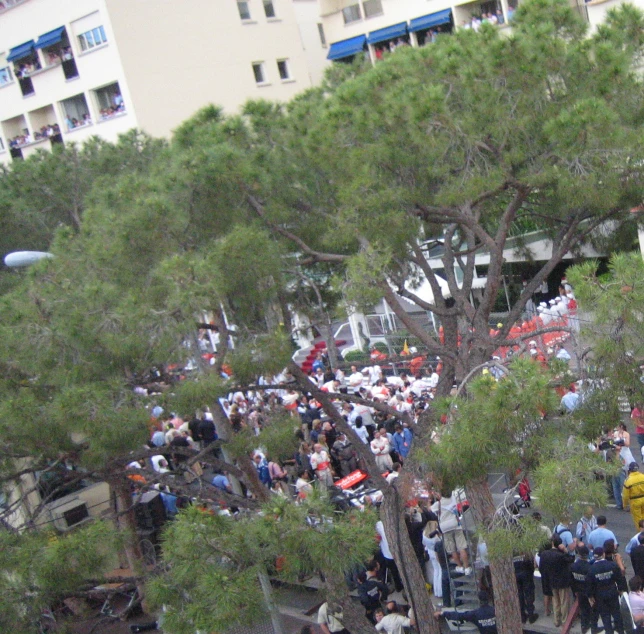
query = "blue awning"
x=53 y=37
x=388 y=33
x=433 y=19
x=346 y=48
x=18 y=52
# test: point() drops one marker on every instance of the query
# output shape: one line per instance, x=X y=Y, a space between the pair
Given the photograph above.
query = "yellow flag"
x=405 y=350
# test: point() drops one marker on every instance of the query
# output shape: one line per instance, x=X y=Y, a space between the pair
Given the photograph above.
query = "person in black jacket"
x=637 y=557
x=554 y=566
x=483 y=617
x=371 y=590
x=604 y=582
x=524 y=573
x=588 y=614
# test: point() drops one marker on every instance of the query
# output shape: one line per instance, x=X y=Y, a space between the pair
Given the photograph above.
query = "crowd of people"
x=580 y=560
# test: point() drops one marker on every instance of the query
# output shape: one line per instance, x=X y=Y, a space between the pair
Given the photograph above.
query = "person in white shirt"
x=356 y=379
x=392 y=622
x=395 y=472
x=433 y=378
x=365 y=413
x=332 y=387
x=563 y=354
x=375 y=374
x=380 y=391
x=361 y=430
x=381 y=448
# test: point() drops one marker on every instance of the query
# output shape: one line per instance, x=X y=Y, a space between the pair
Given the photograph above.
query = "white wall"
x=308 y=17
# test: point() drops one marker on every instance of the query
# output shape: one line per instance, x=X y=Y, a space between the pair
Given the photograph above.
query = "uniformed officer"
x=588 y=613
x=633 y=493
x=604 y=582
x=524 y=573
x=371 y=590
x=483 y=617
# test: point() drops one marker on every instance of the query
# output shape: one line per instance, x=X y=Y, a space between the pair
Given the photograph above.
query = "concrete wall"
x=180 y=56
x=308 y=17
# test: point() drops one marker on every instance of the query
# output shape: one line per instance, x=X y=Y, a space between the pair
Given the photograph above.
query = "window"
x=109 y=101
x=372 y=7
x=321 y=33
x=93 y=38
x=282 y=68
x=244 y=11
x=269 y=9
x=352 y=13
x=75 y=112
x=258 y=70
x=5 y=76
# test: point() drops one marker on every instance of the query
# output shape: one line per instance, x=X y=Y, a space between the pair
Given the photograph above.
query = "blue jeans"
x=618 y=485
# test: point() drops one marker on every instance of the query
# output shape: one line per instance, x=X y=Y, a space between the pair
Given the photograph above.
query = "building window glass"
x=321 y=33
x=244 y=10
x=258 y=71
x=75 y=112
x=352 y=13
x=109 y=101
x=5 y=76
x=372 y=7
x=93 y=38
x=282 y=68
x=269 y=9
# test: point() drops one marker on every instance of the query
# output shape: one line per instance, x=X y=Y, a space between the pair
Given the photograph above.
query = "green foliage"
x=492 y=424
x=264 y=355
x=38 y=568
x=214 y=561
x=357 y=356
x=615 y=302
x=570 y=479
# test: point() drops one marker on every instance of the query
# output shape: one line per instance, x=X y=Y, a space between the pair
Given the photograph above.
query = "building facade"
x=71 y=69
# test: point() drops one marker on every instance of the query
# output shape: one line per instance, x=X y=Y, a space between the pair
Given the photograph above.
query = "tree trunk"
x=244 y=463
x=506 y=594
x=392 y=512
x=332 y=350
x=126 y=521
x=222 y=348
x=273 y=609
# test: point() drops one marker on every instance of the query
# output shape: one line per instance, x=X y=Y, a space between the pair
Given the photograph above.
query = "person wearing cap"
x=483 y=617
x=579 y=570
x=633 y=493
x=604 y=582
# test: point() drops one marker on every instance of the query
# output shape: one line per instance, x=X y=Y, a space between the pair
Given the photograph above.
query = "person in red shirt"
x=638 y=420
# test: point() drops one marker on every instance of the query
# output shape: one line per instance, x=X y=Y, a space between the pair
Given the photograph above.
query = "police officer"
x=483 y=617
x=524 y=573
x=371 y=590
x=604 y=582
x=588 y=613
x=633 y=493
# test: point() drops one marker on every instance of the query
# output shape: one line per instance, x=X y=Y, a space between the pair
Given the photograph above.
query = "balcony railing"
x=26 y=86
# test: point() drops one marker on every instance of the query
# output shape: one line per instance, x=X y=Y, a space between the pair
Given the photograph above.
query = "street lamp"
x=25 y=258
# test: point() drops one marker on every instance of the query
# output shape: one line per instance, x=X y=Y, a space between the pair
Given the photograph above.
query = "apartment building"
x=71 y=69
x=370 y=27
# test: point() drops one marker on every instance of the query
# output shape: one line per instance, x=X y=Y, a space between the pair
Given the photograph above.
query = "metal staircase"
x=463 y=587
